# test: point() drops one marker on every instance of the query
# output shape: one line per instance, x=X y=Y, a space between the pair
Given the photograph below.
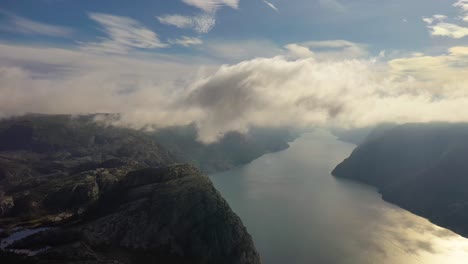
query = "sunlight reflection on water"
x=298 y=213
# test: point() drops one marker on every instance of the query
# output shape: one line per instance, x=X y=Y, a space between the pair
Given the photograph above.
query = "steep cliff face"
x=153 y=215
x=111 y=196
x=420 y=167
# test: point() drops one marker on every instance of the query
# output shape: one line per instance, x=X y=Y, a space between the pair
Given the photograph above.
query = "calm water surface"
x=298 y=213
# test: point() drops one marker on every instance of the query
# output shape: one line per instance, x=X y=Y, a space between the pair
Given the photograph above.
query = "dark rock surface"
x=154 y=215
x=420 y=167
x=55 y=164
x=110 y=195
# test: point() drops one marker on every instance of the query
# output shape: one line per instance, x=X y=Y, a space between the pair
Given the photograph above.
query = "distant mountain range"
x=420 y=167
x=117 y=195
x=231 y=150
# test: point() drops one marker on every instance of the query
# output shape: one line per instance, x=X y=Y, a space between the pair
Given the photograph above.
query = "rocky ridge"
x=109 y=195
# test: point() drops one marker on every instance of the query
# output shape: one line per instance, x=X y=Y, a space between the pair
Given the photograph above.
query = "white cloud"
x=211 y=6
x=201 y=23
x=176 y=20
x=440 y=17
x=434 y=18
x=272 y=6
x=187 y=41
x=298 y=51
x=54 y=80
x=337 y=49
x=438 y=27
x=442 y=73
x=27 y=26
x=463 y=4
x=258 y=48
x=275 y=91
x=428 y=20
x=347 y=93
x=124 y=34
x=448 y=30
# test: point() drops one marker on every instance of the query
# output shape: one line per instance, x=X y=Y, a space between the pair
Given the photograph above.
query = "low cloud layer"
x=300 y=87
x=339 y=93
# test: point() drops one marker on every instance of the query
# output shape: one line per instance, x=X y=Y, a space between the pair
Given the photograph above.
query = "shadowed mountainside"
x=232 y=150
x=420 y=167
x=109 y=195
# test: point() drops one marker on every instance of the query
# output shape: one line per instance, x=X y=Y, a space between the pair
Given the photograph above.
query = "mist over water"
x=298 y=213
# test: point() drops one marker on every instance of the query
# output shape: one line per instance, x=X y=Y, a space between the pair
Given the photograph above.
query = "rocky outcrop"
x=6 y=203
x=110 y=195
x=61 y=164
x=420 y=167
x=171 y=213
x=153 y=215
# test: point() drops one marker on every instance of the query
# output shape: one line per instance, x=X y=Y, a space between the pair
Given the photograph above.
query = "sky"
x=233 y=64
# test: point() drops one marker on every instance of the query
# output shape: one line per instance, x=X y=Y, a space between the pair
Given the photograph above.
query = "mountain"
x=359 y=135
x=231 y=150
x=420 y=167
x=102 y=194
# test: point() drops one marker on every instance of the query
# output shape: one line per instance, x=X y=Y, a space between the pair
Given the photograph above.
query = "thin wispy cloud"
x=176 y=20
x=272 y=6
x=212 y=5
x=123 y=35
x=337 y=49
x=24 y=25
x=187 y=41
x=333 y=5
x=201 y=23
x=240 y=50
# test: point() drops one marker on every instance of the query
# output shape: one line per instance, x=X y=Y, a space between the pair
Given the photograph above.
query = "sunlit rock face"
x=421 y=167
